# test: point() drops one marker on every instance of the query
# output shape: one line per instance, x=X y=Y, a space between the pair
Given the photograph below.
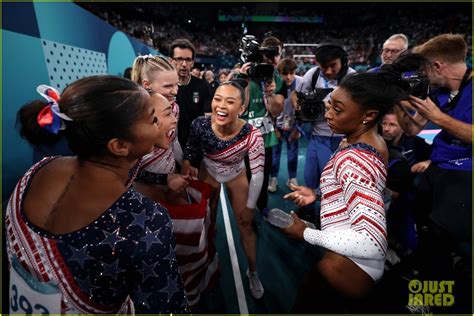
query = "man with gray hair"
x=391 y=49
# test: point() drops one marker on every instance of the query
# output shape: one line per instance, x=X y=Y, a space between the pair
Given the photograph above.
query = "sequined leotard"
x=353 y=222
x=122 y=261
x=224 y=159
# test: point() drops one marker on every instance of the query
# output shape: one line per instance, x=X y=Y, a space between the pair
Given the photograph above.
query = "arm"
x=411 y=124
x=273 y=102
x=193 y=152
x=257 y=161
x=428 y=109
x=177 y=151
x=156 y=285
x=366 y=237
x=153 y=178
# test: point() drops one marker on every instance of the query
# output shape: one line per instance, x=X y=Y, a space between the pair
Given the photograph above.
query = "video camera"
x=311 y=105
x=252 y=52
x=415 y=84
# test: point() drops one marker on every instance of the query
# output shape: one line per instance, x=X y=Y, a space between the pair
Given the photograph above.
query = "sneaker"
x=291 y=181
x=273 y=184
x=256 y=287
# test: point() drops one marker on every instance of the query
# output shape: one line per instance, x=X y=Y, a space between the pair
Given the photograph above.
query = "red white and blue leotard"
x=353 y=222
x=224 y=159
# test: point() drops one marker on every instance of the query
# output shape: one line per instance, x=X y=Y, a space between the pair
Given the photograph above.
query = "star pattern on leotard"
x=150 y=238
x=148 y=270
x=80 y=255
x=112 y=238
x=142 y=297
x=139 y=219
x=86 y=284
x=111 y=269
x=171 y=287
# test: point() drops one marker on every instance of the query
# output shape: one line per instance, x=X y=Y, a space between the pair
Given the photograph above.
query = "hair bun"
x=240 y=81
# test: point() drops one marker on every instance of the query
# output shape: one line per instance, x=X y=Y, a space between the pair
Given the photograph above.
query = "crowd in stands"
x=361 y=30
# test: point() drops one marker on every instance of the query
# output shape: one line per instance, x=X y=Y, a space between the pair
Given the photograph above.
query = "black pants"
x=263 y=197
x=443 y=212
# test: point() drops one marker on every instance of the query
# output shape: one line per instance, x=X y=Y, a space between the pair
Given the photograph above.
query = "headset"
x=343 y=56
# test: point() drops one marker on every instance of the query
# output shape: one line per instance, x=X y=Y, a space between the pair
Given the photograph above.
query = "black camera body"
x=416 y=85
x=252 y=52
x=311 y=105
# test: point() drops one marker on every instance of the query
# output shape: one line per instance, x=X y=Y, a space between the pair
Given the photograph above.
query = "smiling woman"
x=222 y=141
x=77 y=224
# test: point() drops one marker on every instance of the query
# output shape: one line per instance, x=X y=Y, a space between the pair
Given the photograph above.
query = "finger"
x=295 y=187
x=293 y=214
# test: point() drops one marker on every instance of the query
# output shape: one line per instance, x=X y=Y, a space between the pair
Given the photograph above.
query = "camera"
x=415 y=84
x=252 y=52
x=311 y=105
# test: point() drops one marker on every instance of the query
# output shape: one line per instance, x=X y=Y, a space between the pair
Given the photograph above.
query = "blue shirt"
x=450 y=152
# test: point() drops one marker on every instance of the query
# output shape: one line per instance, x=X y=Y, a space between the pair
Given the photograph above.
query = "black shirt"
x=413 y=148
x=194 y=100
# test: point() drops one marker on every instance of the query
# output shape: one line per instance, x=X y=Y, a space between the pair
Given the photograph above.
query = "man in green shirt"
x=265 y=103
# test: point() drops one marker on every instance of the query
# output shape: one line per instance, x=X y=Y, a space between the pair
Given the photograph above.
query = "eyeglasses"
x=393 y=51
x=180 y=60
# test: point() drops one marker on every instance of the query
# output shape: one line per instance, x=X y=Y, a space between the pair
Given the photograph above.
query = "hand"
x=420 y=166
x=301 y=195
x=426 y=108
x=177 y=182
x=278 y=133
x=188 y=170
x=296 y=229
x=244 y=70
x=294 y=135
x=269 y=88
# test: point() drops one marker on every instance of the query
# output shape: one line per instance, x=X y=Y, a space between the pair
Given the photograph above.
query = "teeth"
x=221 y=113
x=170 y=133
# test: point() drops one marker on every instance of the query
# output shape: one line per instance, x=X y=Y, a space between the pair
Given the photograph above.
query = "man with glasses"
x=392 y=48
x=194 y=94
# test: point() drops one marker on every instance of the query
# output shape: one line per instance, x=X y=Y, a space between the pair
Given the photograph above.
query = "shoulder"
x=146 y=211
x=359 y=157
x=198 y=82
x=374 y=70
x=309 y=73
x=201 y=121
x=52 y=169
x=351 y=71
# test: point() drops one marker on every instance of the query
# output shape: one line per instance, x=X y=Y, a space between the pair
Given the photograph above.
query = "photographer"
x=445 y=208
x=266 y=95
x=285 y=127
x=333 y=67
